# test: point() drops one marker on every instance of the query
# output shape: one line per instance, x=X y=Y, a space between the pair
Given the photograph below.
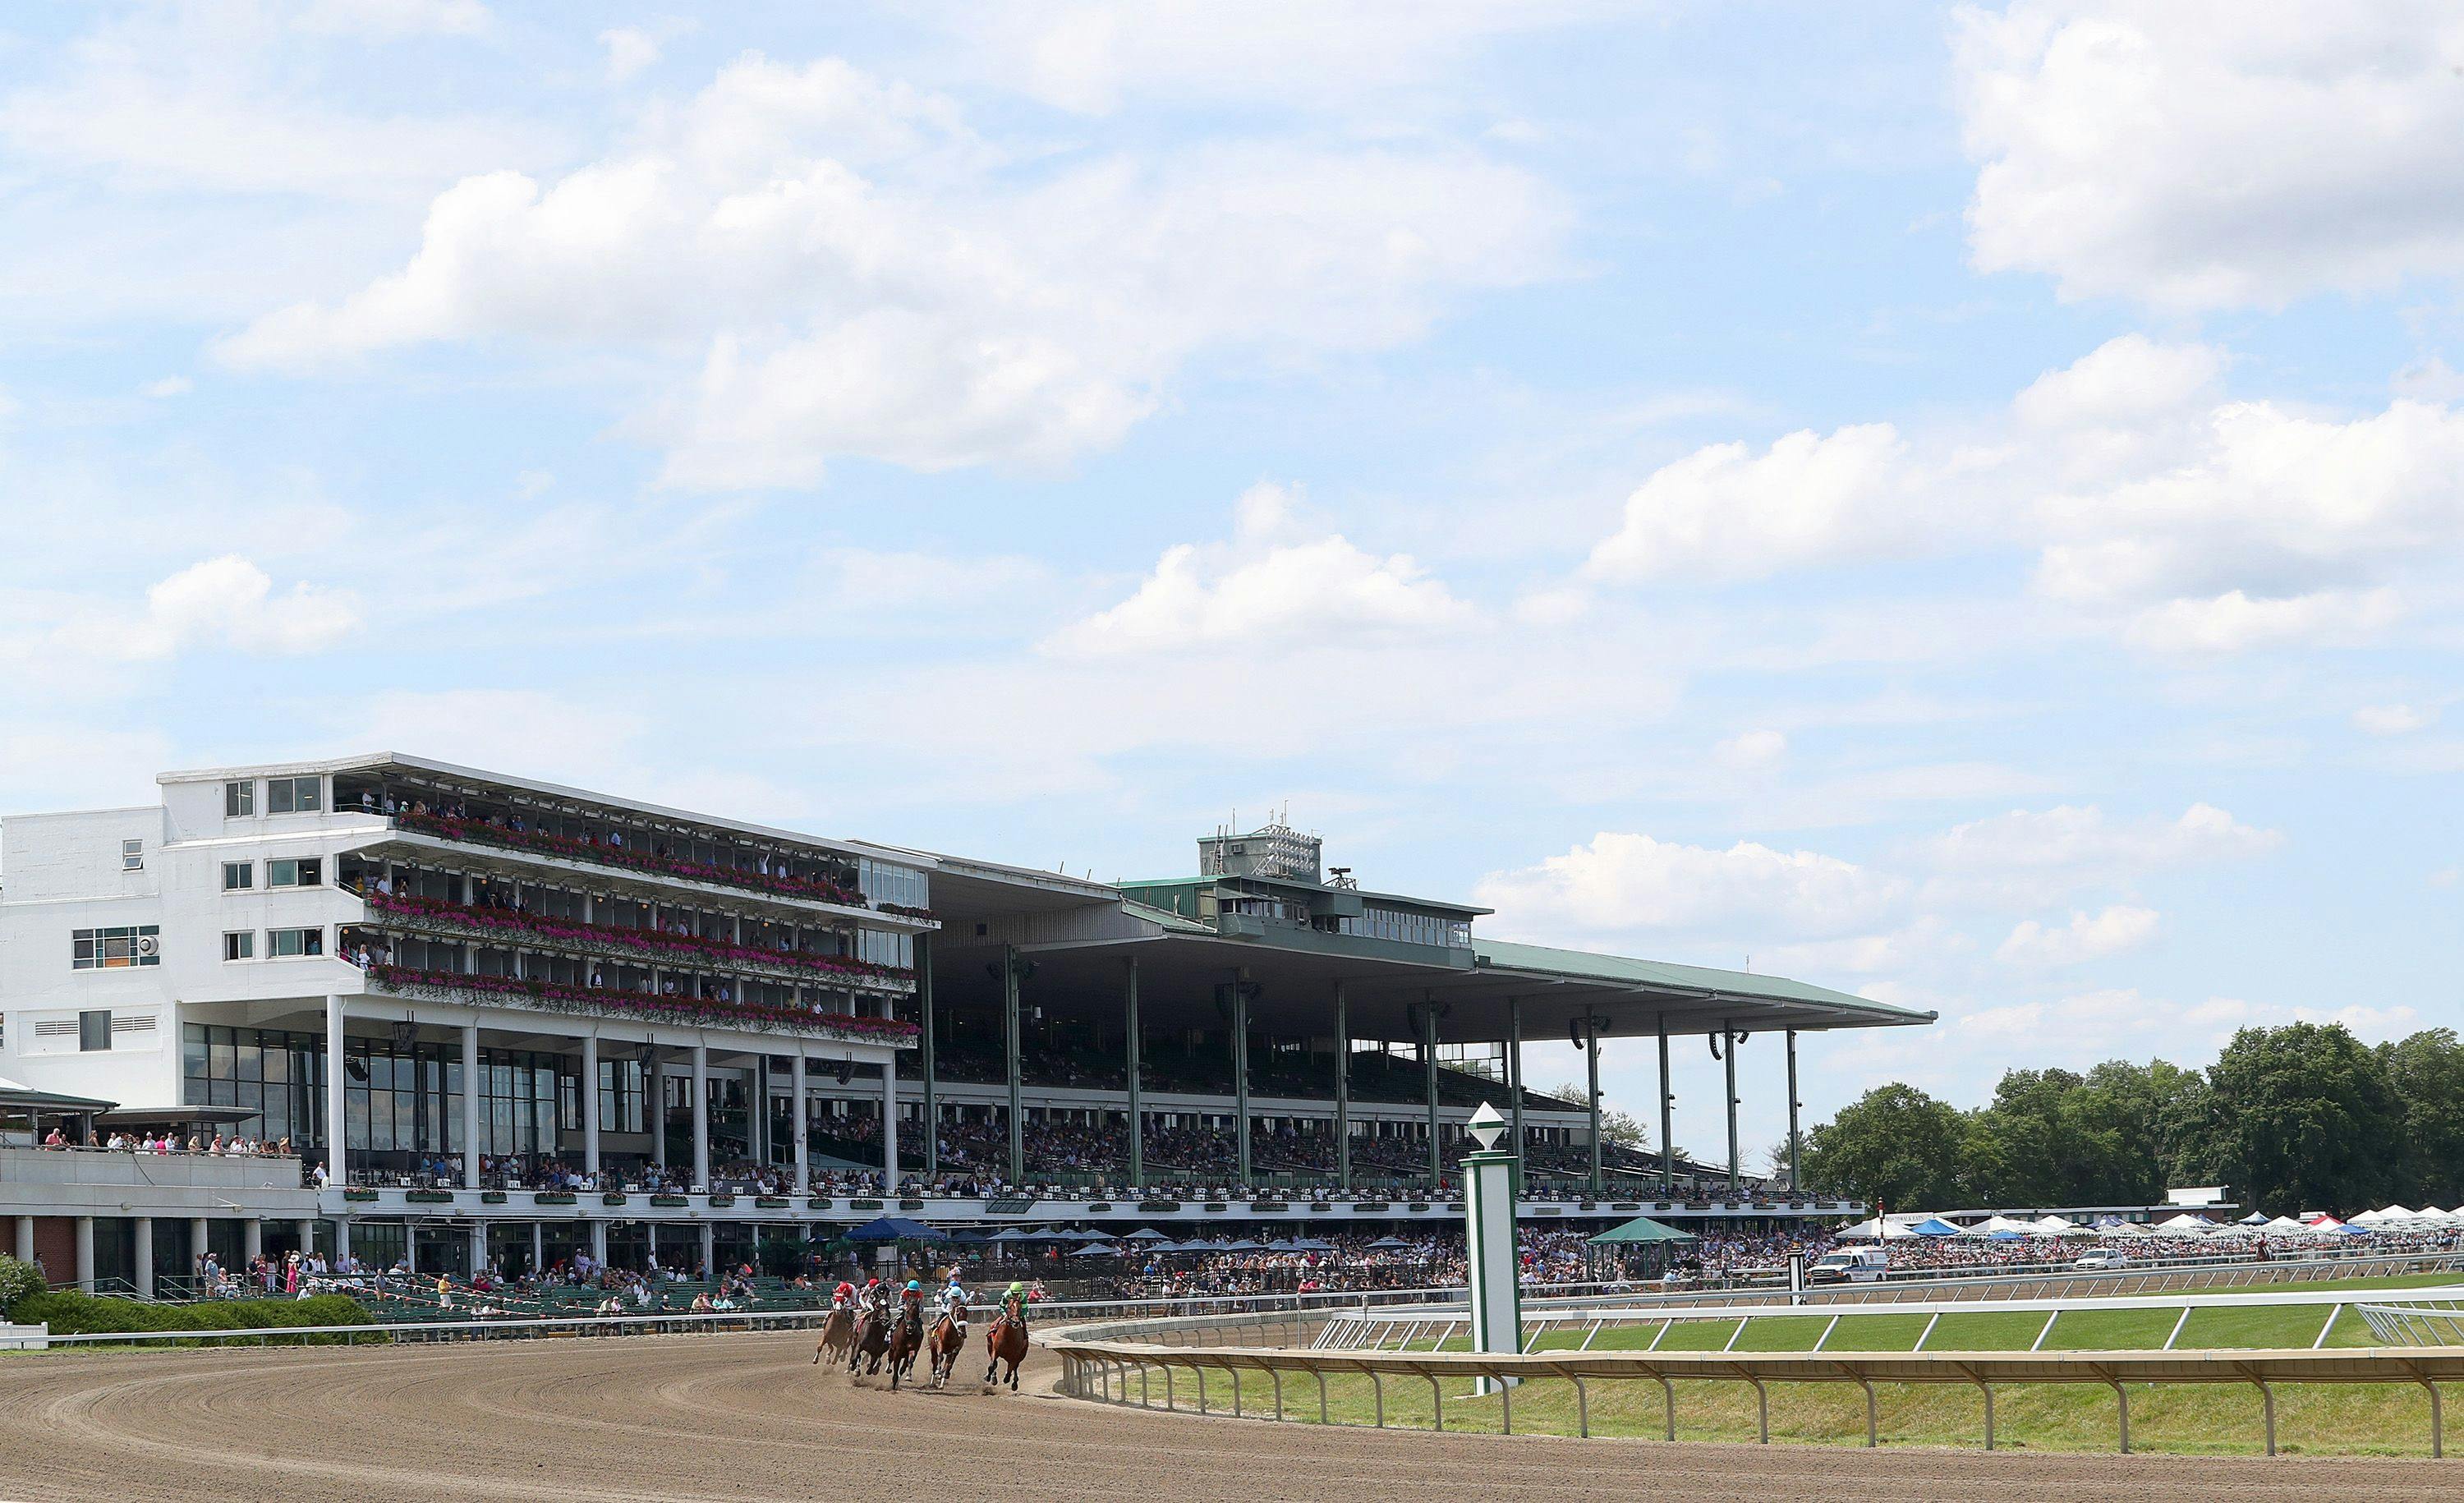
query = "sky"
x=1959 y=504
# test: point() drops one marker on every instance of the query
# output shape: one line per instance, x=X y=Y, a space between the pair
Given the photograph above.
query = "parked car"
x=1849 y=1266
x=2101 y=1258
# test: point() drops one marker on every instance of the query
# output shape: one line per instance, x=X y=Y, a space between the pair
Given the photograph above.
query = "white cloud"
x=1627 y=883
x=226 y=602
x=391 y=18
x=2393 y=719
x=1725 y=512
x=2121 y=383
x=2087 y=937
x=1752 y=750
x=1271 y=586
x=2233 y=621
x=2214 y=154
x=630 y=50
x=168 y=386
x=862 y=275
x=2006 y=857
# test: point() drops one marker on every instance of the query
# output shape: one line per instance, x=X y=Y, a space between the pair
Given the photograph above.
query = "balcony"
x=641 y=946
x=539 y=996
x=649 y=873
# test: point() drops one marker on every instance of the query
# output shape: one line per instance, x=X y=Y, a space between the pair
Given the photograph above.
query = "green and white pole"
x=1492 y=1261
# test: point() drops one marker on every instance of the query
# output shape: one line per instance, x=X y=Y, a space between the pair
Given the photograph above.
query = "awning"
x=1642 y=1229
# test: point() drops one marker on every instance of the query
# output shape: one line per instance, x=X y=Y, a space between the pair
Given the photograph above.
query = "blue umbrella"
x=896 y=1228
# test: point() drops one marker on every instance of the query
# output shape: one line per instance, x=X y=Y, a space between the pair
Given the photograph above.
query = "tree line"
x=2293 y=1118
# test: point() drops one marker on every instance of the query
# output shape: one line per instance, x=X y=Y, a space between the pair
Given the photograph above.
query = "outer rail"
x=1097 y=1367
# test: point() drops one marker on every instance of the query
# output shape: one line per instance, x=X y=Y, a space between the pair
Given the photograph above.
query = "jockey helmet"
x=871 y=1283
x=912 y=1284
x=1016 y=1287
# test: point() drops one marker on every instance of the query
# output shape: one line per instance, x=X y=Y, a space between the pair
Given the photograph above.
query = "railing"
x=607 y=1002
x=1097 y=1361
x=2417 y=1322
x=471 y=831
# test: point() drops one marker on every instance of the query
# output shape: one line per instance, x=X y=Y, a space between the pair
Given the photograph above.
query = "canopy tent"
x=2051 y=1226
x=2285 y=1224
x=2185 y=1225
x=1642 y=1229
x=2322 y=1221
x=1390 y=1242
x=896 y=1228
x=1993 y=1224
x=1146 y=1235
x=1934 y=1226
x=2254 y=1219
x=1097 y=1250
x=1875 y=1229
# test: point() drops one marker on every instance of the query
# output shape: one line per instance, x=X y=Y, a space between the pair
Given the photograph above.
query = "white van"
x=1849 y=1266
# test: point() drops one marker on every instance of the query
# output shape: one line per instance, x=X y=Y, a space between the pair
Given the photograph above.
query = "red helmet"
x=870 y=1282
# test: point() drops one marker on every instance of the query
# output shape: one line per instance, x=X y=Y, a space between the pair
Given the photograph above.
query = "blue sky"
x=1958 y=504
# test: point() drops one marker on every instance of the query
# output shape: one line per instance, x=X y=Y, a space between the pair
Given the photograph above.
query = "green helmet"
x=1017 y=1288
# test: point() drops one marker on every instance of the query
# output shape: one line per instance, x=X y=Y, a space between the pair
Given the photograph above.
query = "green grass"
x=2223 y=1418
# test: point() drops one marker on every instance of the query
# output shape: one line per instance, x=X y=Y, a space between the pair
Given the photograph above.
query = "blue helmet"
x=912 y=1284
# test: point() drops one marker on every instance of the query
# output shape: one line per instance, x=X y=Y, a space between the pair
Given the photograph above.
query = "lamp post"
x=1490 y=1259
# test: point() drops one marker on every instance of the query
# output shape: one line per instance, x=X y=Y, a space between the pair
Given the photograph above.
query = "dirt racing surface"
x=750 y=1417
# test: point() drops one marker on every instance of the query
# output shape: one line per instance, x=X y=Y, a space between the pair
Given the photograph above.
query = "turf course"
x=2376 y=1420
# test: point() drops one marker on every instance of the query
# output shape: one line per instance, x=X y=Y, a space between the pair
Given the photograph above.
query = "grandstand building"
x=568 y=1022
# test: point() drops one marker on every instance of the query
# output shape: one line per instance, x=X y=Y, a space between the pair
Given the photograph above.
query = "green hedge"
x=19 y=1281
x=69 y=1312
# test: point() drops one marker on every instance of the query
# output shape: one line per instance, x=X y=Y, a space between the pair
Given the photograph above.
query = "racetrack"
x=742 y=1416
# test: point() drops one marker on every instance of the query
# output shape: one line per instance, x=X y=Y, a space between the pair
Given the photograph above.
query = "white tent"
x=2254 y=1219
x=1875 y=1229
x=2285 y=1224
x=2050 y=1225
x=2185 y=1225
x=1993 y=1223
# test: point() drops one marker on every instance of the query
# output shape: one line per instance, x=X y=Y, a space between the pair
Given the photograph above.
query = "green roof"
x=1621 y=970
x=1642 y=1229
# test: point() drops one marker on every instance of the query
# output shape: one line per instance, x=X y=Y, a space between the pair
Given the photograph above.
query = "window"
x=279 y=942
x=132 y=855
x=238 y=875
x=110 y=949
x=306 y=872
x=293 y=796
x=94 y=1030
x=239 y=799
x=240 y=945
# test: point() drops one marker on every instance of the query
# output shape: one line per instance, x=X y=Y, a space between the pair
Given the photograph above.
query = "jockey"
x=911 y=1307
x=1013 y=1302
x=842 y=1296
x=953 y=1303
x=875 y=1296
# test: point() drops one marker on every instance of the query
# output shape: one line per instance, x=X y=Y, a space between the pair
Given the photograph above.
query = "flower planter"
x=491 y=1197
x=671 y=1201
x=771 y=1203
x=1366 y=1207
x=612 y=1197
x=1158 y=1205
x=359 y=1195
x=818 y=1202
x=1419 y=1205
x=1320 y=1205
x=722 y=1199
x=553 y=1198
x=1268 y=1206
x=911 y=1205
x=428 y=1197
x=1100 y=1206
x=864 y=1206
x=1217 y=1207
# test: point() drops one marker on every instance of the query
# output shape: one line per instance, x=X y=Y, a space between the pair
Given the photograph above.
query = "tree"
x=1622 y=1128
x=1895 y=1145
x=2426 y=1071
x=2304 y=1116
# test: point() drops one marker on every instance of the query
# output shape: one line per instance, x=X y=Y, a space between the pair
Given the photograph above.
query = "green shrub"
x=19 y=1281
x=69 y=1312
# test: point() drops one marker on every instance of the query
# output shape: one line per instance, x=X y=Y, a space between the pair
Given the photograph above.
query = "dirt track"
x=749 y=1416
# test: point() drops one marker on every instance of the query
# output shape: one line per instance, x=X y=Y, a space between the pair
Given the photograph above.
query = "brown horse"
x=871 y=1341
x=947 y=1341
x=905 y=1339
x=1006 y=1342
x=838 y=1334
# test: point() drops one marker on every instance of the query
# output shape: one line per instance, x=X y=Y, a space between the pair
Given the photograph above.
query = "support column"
x=144 y=1269
x=1667 y=1120
x=796 y=1088
x=1342 y=1087
x=251 y=1241
x=478 y=1247
x=337 y=1156
x=925 y=1060
x=599 y=1242
x=473 y=1087
x=1592 y=1063
x=1728 y=1036
x=658 y=1103
x=25 y=1239
x=1241 y=1077
x=539 y=1248
x=1514 y=1083
x=1429 y=1074
x=342 y=1237
x=709 y=1250
x=196 y=1244
x=889 y=1122
x=757 y=1114
x=1010 y=1064
x=591 y=1108
x=1138 y=1112
x=1796 y=1179
x=85 y=1254
x=701 y=1120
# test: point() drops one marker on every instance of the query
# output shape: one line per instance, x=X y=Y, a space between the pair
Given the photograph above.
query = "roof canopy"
x=1642 y=1229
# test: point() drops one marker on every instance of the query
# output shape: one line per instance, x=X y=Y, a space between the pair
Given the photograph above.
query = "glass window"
x=94 y=1030
x=239 y=945
x=281 y=942
x=304 y=872
x=238 y=875
x=239 y=799
x=110 y=949
x=132 y=855
x=293 y=795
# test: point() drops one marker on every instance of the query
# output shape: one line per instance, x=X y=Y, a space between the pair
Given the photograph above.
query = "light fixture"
x=1487 y=1127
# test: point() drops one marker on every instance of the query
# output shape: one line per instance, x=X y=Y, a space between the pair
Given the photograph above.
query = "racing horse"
x=871 y=1341
x=838 y=1334
x=905 y=1339
x=1006 y=1342
x=946 y=1343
